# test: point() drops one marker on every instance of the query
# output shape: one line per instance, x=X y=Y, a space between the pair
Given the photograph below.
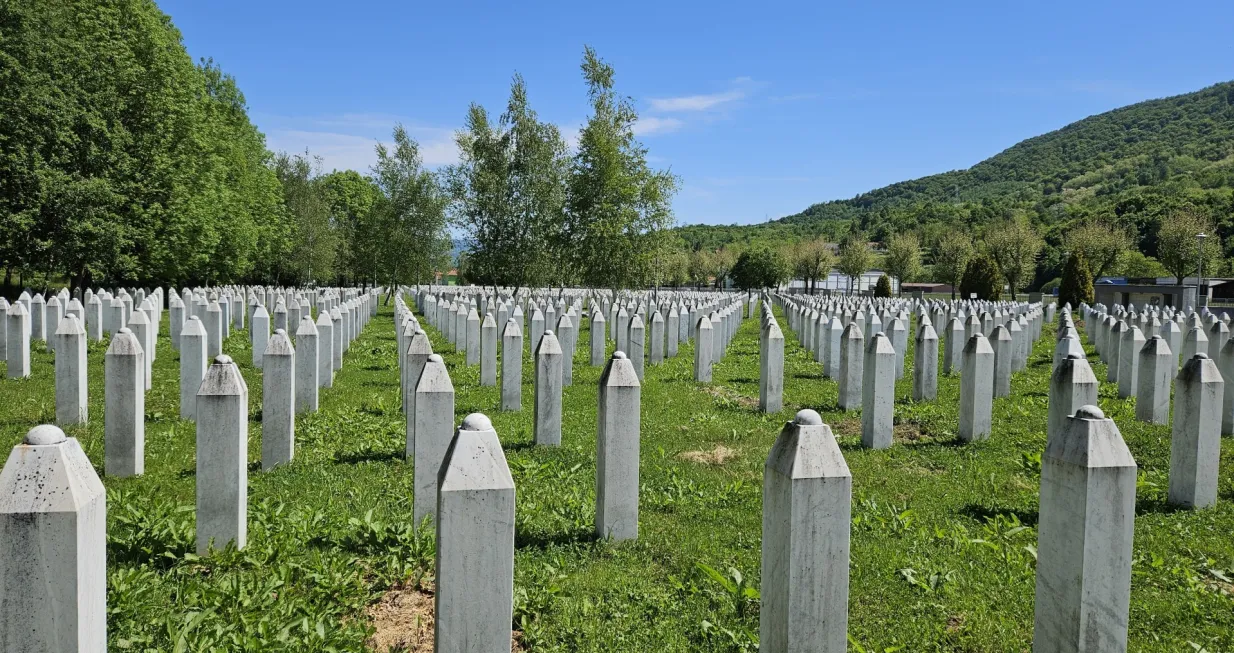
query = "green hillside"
x=1132 y=165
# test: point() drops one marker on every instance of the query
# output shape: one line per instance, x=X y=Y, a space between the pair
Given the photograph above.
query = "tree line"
x=123 y=161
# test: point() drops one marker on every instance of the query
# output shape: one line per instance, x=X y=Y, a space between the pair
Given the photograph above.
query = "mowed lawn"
x=943 y=535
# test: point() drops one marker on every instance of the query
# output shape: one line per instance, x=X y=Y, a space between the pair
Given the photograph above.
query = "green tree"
x=883 y=287
x=616 y=206
x=760 y=267
x=409 y=240
x=700 y=267
x=1076 y=286
x=855 y=258
x=1101 y=245
x=1014 y=244
x=508 y=193
x=351 y=198
x=903 y=260
x=982 y=278
x=951 y=255
x=314 y=242
x=1177 y=246
x=812 y=261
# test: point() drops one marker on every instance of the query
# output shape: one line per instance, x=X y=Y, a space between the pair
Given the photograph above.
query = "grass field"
x=943 y=536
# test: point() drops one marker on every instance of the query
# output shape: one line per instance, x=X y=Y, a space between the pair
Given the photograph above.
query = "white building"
x=837 y=282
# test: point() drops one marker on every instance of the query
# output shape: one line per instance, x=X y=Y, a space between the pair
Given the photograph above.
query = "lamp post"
x=1199 y=254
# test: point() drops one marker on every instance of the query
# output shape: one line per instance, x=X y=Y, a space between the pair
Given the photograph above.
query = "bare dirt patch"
x=846 y=427
x=908 y=432
x=403 y=621
x=727 y=394
x=717 y=456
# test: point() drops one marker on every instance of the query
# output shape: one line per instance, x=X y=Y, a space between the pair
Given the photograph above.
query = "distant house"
x=449 y=278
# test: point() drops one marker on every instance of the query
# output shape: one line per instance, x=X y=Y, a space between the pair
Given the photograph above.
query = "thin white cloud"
x=648 y=125
x=349 y=141
x=696 y=102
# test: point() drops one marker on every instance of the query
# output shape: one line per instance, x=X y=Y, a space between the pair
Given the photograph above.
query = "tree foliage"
x=761 y=267
x=1101 y=244
x=1177 y=245
x=617 y=207
x=882 y=288
x=1014 y=245
x=122 y=160
x=951 y=254
x=1076 y=286
x=903 y=260
x=409 y=243
x=508 y=193
x=856 y=258
x=812 y=261
x=982 y=278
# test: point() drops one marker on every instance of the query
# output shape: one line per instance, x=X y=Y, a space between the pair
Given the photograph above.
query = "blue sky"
x=761 y=108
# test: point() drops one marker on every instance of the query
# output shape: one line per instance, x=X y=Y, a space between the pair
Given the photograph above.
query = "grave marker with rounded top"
x=434 y=422
x=278 y=401
x=976 y=389
x=222 y=457
x=474 y=597
x=807 y=504
x=512 y=366
x=53 y=548
x=547 y=410
x=1084 y=537
x=617 y=450
x=1195 y=443
x=771 y=367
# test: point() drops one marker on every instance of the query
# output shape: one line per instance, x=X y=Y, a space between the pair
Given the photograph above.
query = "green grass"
x=943 y=539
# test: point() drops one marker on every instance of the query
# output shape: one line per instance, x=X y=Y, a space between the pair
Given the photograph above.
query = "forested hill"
x=1119 y=163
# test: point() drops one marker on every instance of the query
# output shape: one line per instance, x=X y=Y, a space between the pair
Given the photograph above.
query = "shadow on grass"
x=984 y=513
x=540 y=540
x=367 y=456
x=524 y=445
x=1157 y=506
